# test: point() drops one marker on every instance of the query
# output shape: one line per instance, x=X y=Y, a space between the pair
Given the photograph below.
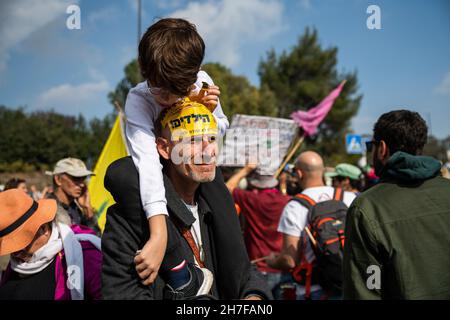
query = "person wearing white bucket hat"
x=261 y=207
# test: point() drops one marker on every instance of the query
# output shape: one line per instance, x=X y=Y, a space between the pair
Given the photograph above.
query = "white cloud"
x=74 y=99
x=227 y=25
x=444 y=87
x=19 y=19
x=95 y=74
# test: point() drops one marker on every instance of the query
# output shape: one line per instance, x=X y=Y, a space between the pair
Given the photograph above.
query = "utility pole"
x=139 y=22
x=429 y=124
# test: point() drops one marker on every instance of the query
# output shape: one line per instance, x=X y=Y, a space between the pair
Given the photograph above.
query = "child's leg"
x=181 y=276
x=174 y=269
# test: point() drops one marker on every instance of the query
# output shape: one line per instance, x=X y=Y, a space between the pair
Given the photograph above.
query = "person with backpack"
x=312 y=224
x=49 y=259
x=261 y=206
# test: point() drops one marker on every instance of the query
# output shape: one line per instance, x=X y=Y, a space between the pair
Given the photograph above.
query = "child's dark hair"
x=170 y=55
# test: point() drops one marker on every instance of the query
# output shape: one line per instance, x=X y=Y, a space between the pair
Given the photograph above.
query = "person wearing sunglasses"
x=70 y=191
x=348 y=177
x=396 y=236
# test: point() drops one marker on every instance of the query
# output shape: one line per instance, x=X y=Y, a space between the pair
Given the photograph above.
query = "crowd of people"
x=179 y=230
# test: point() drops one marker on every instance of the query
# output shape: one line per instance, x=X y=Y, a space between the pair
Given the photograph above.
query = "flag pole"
x=118 y=107
x=324 y=104
x=290 y=155
x=122 y=123
x=139 y=13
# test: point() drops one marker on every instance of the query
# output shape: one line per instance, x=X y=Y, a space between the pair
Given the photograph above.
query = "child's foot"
x=199 y=283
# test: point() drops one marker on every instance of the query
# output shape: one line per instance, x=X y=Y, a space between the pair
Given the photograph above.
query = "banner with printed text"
x=257 y=139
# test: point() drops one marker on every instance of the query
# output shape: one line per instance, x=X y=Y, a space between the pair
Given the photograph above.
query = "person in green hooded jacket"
x=398 y=232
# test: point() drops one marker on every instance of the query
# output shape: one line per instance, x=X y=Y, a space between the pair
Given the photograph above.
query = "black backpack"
x=325 y=231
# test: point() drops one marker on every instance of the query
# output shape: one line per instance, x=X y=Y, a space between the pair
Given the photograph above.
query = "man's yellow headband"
x=189 y=119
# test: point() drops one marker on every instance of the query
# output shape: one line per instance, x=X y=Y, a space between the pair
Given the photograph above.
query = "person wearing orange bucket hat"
x=20 y=219
x=49 y=260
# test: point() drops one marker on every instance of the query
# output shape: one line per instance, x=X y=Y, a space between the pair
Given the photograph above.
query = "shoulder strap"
x=338 y=194
x=304 y=200
x=92 y=239
x=187 y=235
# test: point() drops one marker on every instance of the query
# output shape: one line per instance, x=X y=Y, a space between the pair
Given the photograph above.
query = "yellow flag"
x=115 y=148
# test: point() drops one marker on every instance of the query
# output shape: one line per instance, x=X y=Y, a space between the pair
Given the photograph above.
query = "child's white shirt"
x=142 y=112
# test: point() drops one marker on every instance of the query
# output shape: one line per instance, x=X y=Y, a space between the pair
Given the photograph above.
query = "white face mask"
x=42 y=257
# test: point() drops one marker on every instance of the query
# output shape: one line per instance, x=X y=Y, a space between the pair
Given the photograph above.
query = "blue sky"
x=406 y=64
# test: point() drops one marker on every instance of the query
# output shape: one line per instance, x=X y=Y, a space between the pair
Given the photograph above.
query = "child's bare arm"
x=149 y=259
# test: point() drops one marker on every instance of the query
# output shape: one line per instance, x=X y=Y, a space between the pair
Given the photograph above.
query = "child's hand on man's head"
x=211 y=98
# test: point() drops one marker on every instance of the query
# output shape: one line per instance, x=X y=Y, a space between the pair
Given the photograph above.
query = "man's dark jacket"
x=126 y=231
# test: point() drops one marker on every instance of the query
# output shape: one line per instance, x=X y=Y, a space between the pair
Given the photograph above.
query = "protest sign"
x=257 y=139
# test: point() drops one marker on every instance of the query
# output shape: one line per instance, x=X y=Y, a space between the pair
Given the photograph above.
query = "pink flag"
x=310 y=120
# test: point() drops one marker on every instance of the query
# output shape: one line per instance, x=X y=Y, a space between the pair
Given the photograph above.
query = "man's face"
x=195 y=157
x=378 y=163
x=74 y=187
x=341 y=182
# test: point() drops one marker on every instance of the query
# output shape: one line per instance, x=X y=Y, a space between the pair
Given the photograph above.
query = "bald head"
x=310 y=167
x=309 y=161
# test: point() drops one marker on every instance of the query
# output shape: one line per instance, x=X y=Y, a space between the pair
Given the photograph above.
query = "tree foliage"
x=238 y=95
x=38 y=140
x=301 y=78
x=437 y=148
x=131 y=79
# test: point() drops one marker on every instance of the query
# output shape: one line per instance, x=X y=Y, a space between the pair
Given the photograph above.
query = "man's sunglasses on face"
x=370 y=144
x=76 y=180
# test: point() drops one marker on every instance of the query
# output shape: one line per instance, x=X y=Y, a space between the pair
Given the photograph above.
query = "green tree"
x=131 y=79
x=437 y=148
x=38 y=140
x=301 y=78
x=238 y=95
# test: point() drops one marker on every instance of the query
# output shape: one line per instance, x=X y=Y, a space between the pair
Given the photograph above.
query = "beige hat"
x=262 y=181
x=72 y=166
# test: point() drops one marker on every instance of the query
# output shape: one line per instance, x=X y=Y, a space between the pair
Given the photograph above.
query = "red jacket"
x=262 y=211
